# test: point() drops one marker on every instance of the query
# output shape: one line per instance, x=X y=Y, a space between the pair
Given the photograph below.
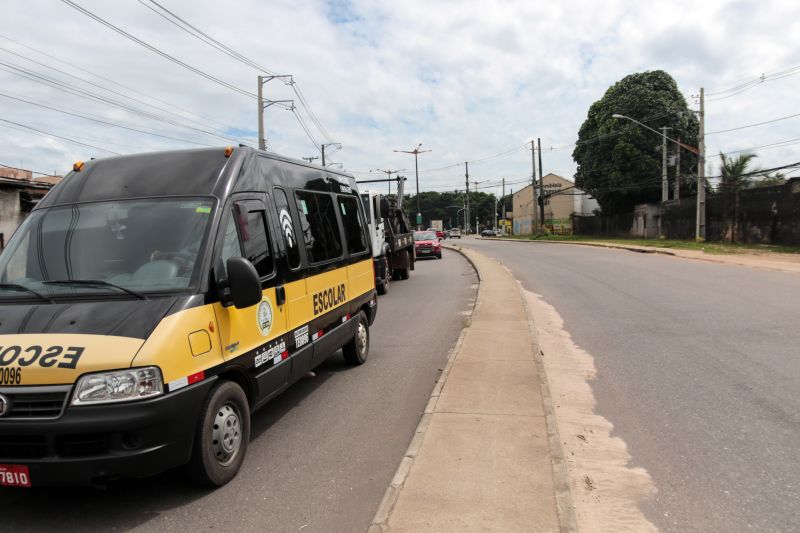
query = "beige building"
x=561 y=201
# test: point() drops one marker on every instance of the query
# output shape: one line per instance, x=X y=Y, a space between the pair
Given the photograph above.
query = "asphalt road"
x=698 y=370
x=321 y=454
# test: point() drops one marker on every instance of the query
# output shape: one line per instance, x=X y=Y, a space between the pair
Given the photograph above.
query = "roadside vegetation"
x=707 y=247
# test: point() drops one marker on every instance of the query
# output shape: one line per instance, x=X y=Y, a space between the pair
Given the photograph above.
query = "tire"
x=222 y=435
x=439 y=256
x=383 y=287
x=357 y=350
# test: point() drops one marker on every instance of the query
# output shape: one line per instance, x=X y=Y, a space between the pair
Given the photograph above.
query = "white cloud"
x=467 y=79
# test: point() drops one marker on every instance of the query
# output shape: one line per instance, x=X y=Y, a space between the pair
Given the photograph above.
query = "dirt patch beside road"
x=604 y=488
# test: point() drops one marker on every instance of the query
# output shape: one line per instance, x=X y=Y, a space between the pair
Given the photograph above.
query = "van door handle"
x=280 y=295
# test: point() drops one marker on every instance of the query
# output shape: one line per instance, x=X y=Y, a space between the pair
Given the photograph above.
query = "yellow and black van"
x=150 y=303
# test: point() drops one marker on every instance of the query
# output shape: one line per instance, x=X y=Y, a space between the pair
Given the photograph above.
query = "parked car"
x=487 y=233
x=426 y=244
x=455 y=233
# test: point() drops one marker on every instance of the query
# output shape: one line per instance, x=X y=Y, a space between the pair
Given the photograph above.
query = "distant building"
x=561 y=201
x=19 y=194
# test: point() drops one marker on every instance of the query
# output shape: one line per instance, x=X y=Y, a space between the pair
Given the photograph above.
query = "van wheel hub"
x=226 y=433
x=361 y=338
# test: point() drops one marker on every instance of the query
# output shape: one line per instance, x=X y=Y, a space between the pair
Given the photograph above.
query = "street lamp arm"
x=679 y=143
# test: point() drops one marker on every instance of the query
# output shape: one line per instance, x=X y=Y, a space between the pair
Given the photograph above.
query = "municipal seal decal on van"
x=264 y=317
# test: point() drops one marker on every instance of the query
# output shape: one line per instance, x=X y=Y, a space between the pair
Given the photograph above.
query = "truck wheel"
x=383 y=286
x=221 y=439
x=357 y=350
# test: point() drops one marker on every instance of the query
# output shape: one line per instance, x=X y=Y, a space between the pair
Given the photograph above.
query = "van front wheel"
x=222 y=435
x=357 y=350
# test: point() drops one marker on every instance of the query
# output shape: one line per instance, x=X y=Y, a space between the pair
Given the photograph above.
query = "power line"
x=118 y=93
x=123 y=86
x=99 y=121
x=28 y=170
x=83 y=93
x=199 y=34
x=753 y=125
x=53 y=135
x=159 y=51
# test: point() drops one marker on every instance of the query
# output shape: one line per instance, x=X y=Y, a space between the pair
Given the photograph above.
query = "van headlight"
x=118 y=386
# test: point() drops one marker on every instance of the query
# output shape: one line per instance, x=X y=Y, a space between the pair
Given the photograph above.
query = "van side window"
x=255 y=244
x=353 y=229
x=287 y=228
x=320 y=226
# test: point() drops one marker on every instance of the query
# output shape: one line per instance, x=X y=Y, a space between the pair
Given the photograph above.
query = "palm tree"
x=735 y=177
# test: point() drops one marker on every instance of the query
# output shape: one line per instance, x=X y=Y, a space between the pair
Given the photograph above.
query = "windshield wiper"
x=97 y=283
x=18 y=287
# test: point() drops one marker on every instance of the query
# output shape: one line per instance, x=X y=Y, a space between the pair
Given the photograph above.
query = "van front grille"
x=25 y=403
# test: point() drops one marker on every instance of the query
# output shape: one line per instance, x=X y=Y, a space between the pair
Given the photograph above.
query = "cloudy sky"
x=471 y=81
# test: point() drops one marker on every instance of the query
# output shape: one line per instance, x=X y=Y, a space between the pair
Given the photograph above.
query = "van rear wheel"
x=357 y=350
x=221 y=439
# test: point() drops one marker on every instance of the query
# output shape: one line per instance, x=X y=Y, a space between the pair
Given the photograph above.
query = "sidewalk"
x=776 y=262
x=483 y=456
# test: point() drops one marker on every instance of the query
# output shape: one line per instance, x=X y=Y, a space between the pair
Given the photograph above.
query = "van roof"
x=194 y=172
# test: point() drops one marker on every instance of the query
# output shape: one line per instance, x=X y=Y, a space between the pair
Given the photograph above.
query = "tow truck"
x=391 y=234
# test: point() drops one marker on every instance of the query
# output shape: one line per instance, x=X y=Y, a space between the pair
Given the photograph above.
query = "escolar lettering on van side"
x=329 y=298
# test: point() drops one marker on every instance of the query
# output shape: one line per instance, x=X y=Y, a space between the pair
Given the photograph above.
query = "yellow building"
x=561 y=201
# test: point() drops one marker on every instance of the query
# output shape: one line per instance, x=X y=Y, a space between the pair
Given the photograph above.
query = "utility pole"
x=475 y=183
x=503 y=207
x=535 y=217
x=264 y=103
x=664 y=179
x=541 y=182
x=262 y=142
x=678 y=171
x=416 y=151
x=310 y=159
x=700 y=230
x=466 y=208
x=323 y=146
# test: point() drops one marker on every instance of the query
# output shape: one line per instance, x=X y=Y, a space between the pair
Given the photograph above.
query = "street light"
x=416 y=151
x=696 y=151
x=692 y=149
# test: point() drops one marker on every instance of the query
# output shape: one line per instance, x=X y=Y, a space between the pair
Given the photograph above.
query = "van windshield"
x=128 y=247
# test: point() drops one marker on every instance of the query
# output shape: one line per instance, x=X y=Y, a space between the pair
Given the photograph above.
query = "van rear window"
x=319 y=226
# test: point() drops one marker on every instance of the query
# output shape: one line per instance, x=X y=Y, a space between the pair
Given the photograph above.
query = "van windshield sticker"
x=305 y=207
x=205 y=210
x=344 y=211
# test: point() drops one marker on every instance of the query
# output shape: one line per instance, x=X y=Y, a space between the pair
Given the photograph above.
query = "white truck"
x=392 y=238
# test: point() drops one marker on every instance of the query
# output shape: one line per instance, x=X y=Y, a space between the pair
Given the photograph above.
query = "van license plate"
x=14 y=476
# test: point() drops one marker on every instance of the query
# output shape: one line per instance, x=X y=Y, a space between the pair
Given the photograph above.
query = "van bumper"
x=91 y=445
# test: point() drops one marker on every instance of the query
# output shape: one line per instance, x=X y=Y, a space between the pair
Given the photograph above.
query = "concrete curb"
x=401 y=474
x=640 y=250
x=564 y=502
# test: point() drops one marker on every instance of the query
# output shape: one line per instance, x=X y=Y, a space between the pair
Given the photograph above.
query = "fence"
x=762 y=215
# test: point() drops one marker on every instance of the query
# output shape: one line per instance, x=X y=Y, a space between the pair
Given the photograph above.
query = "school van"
x=150 y=303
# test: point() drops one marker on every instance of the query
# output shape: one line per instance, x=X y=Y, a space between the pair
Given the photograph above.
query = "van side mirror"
x=244 y=283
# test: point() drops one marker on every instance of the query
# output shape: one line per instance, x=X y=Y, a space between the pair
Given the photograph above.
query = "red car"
x=426 y=243
x=439 y=233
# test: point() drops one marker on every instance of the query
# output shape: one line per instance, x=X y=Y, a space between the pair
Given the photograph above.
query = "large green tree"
x=619 y=161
